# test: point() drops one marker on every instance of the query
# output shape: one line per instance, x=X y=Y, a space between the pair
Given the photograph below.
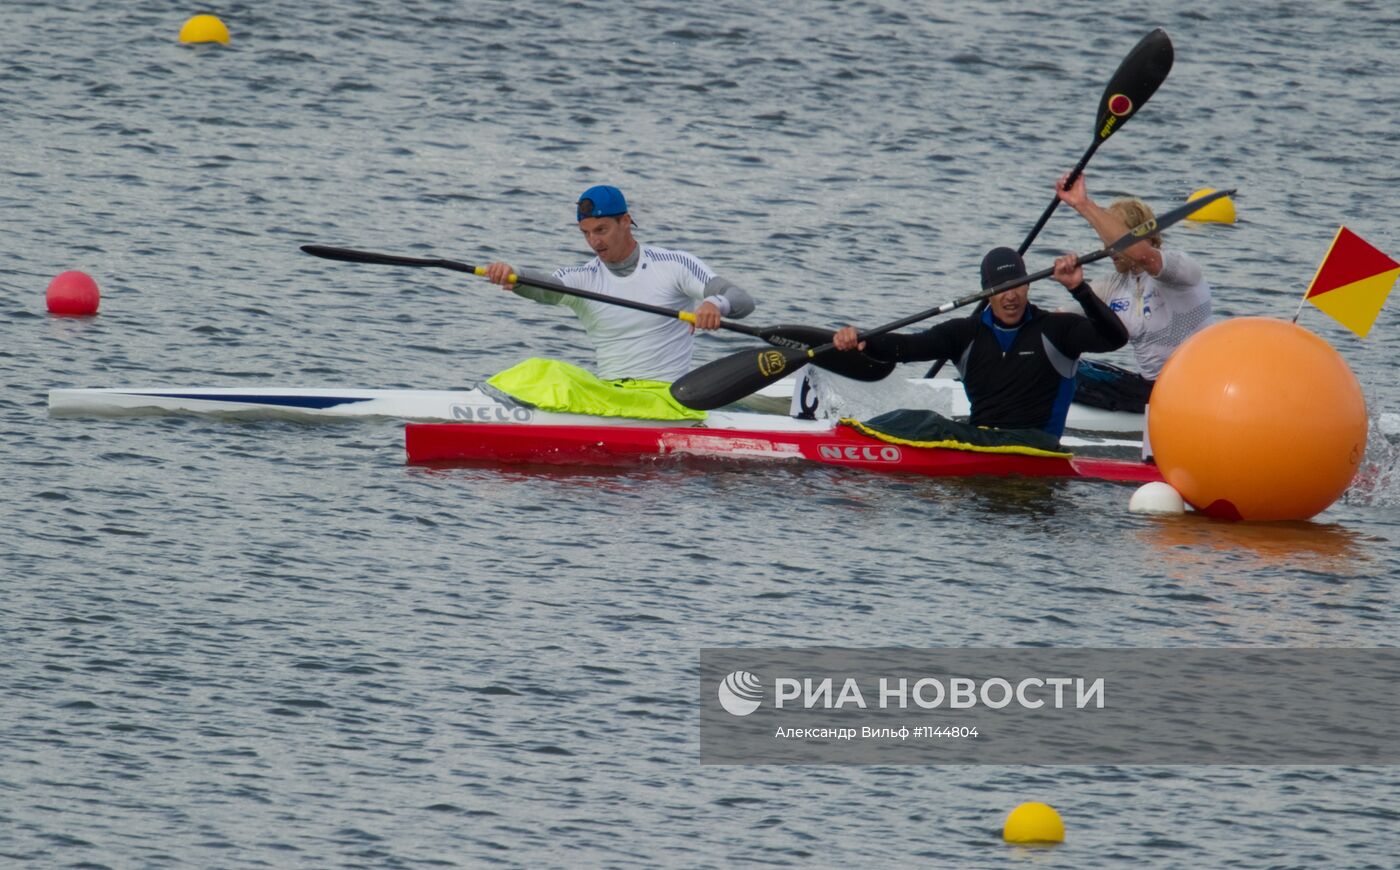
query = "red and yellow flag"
x=1352 y=282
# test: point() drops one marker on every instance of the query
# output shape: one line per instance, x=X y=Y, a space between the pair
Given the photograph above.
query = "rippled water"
x=273 y=644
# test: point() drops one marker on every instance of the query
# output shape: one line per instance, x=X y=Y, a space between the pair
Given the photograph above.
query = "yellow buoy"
x=1257 y=419
x=1033 y=822
x=1222 y=211
x=204 y=28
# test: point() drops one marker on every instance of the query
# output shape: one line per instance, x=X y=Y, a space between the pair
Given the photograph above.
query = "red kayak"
x=840 y=445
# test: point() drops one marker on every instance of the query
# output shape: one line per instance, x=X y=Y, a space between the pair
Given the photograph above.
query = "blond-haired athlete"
x=1159 y=293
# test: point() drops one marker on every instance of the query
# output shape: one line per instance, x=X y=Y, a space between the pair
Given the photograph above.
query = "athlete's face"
x=609 y=237
x=1009 y=307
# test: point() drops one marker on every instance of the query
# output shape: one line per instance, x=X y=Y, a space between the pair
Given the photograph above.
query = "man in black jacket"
x=1017 y=361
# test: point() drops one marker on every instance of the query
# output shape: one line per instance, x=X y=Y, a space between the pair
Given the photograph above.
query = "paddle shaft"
x=730 y=378
x=1055 y=203
x=965 y=300
x=1137 y=78
x=1127 y=240
x=1039 y=225
x=1141 y=72
x=857 y=366
x=353 y=256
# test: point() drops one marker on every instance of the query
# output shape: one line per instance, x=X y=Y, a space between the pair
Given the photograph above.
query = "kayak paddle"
x=1137 y=78
x=730 y=378
x=1135 y=81
x=795 y=338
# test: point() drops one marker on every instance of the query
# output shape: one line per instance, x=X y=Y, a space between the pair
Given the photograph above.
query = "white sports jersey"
x=1160 y=312
x=629 y=343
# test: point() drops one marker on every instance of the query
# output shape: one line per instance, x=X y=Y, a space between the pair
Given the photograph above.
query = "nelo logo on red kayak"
x=491 y=414
x=860 y=452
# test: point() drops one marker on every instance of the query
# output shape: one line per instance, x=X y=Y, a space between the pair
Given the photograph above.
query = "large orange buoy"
x=1257 y=419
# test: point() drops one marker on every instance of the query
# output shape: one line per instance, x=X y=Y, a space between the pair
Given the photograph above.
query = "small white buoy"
x=1157 y=498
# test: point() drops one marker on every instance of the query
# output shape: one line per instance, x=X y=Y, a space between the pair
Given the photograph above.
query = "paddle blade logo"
x=740 y=693
x=1119 y=107
x=771 y=362
x=1145 y=229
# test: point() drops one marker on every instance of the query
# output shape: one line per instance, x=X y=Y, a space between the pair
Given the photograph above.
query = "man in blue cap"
x=630 y=344
x=1017 y=361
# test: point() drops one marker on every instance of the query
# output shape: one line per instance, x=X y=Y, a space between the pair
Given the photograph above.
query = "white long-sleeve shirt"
x=637 y=344
x=1160 y=312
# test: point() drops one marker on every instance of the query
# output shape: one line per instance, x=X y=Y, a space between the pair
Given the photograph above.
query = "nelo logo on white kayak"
x=860 y=453
x=491 y=414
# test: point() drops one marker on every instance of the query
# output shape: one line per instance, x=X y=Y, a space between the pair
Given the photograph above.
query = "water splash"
x=834 y=396
x=1377 y=481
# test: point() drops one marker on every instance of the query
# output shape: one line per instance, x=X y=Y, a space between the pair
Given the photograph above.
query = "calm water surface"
x=274 y=644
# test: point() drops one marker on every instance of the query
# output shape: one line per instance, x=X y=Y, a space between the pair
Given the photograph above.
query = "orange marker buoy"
x=1257 y=419
x=72 y=293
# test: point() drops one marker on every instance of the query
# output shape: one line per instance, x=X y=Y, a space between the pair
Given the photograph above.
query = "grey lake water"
x=273 y=644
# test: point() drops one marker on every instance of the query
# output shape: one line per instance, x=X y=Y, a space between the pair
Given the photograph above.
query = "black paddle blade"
x=852 y=364
x=731 y=378
x=1137 y=79
x=350 y=255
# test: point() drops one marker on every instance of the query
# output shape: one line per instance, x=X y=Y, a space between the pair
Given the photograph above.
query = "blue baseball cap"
x=601 y=201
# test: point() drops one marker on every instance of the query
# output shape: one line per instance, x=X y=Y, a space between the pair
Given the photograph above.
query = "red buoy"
x=72 y=293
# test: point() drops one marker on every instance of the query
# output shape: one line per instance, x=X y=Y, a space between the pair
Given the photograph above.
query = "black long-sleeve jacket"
x=1020 y=377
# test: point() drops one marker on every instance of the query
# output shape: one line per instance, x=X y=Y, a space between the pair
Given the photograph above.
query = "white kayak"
x=944 y=395
x=330 y=403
